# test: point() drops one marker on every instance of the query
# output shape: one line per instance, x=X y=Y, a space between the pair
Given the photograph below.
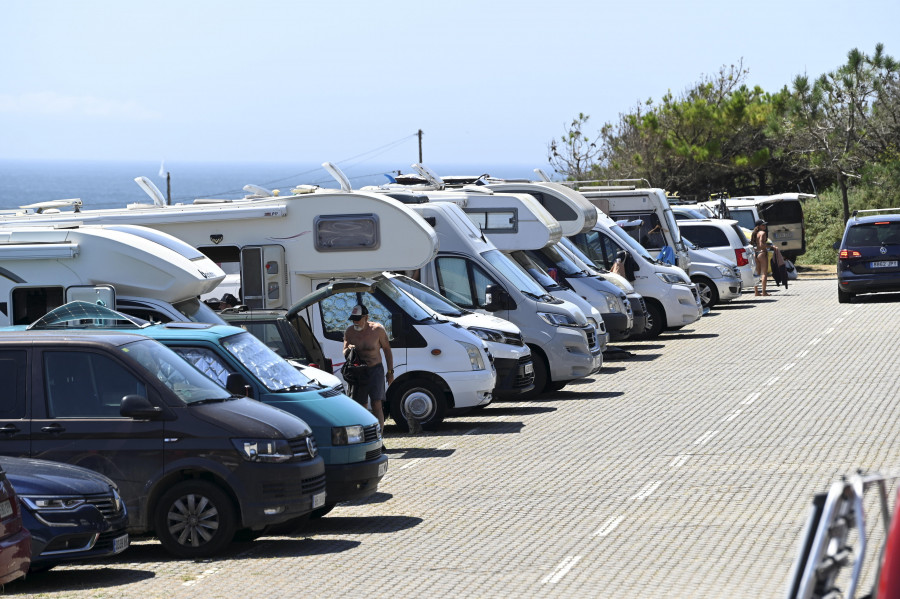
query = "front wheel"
x=656 y=321
x=195 y=519
x=420 y=399
x=541 y=376
x=709 y=295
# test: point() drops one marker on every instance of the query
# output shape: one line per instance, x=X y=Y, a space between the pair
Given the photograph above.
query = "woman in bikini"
x=758 y=239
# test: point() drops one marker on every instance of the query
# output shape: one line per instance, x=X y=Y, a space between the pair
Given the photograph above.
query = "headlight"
x=612 y=302
x=593 y=323
x=264 y=450
x=725 y=270
x=669 y=277
x=347 y=435
x=44 y=504
x=487 y=334
x=474 y=355
x=557 y=320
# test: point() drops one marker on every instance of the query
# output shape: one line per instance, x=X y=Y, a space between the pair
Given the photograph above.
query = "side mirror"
x=236 y=384
x=495 y=298
x=139 y=408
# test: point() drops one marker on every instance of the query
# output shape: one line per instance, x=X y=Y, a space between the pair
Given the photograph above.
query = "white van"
x=782 y=212
x=139 y=271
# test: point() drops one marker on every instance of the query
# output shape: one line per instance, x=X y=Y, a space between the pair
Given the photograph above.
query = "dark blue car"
x=72 y=513
x=869 y=254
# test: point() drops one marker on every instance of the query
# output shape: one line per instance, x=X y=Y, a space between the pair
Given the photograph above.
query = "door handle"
x=9 y=429
x=53 y=428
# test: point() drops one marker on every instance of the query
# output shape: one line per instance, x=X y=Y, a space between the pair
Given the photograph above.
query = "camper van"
x=782 y=212
x=288 y=247
x=141 y=271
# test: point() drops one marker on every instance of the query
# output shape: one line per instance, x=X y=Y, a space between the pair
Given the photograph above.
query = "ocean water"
x=111 y=184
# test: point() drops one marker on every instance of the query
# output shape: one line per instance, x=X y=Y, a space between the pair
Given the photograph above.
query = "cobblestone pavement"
x=682 y=471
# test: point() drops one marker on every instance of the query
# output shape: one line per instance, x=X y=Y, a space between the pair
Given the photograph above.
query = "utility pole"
x=420 y=146
x=168 y=188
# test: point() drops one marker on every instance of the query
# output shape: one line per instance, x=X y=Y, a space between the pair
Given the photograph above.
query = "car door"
x=76 y=419
x=14 y=415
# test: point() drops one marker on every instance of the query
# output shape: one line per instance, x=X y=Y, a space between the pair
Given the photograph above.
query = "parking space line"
x=838 y=320
x=772 y=380
x=410 y=463
x=561 y=570
x=751 y=398
x=705 y=438
x=733 y=416
x=787 y=366
x=815 y=341
x=848 y=312
x=680 y=460
x=646 y=491
x=828 y=330
x=803 y=353
x=610 y=526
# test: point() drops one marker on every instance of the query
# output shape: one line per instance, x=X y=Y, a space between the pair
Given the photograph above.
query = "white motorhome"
x=139 y=271
x=288 y=247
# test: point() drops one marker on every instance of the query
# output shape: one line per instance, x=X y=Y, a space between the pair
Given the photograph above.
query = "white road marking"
x=410 y=463
x=828 y=330
x=680 y=460
x=733 y=416
x=750 y=399
x=838 y=320
x=772 y=380
x=803 y=353
x=610 y=526
x=815 y=341
x=704 y=439
x=561 y=570
x=647 y=490
x=787 y=366
x=848 y=312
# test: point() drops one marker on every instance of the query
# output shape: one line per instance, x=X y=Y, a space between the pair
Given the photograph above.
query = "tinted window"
x=12 y=373
x=745 y=218
x=86 y=385
x=706 y=236
x=346 y=232
x=780 y=213
x=453 y=281
x=869 y=234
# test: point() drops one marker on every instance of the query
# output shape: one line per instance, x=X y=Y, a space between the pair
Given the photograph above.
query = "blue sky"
x=487 y=82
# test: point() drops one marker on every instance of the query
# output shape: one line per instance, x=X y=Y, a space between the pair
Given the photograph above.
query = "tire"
x=426 y=401
x=541 y=375
x=709 y=294
x=554 y=386
x=844 y=297
x=322 y=511
x=656 y=321
x=211 y=519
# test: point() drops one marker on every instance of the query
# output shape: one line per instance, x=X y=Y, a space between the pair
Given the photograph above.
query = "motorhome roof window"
x=342 y=232
x=494 y=220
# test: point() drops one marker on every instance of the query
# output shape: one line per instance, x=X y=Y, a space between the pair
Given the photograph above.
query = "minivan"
x=193 y=462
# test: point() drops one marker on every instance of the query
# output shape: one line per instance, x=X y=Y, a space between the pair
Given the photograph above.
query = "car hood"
x=484 y=321
x=43 y=477
x=247 y=417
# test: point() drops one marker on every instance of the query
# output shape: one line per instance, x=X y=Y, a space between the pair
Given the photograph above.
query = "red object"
x=741 y=257
x=889 y=573
x=15 y=540
x=849 y=254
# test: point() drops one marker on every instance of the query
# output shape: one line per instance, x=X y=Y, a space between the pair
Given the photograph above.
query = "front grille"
x=375 y=453
x=332 y=392
x=301 y=450
x=643 y=305
x=105 y=504
x=522 y=379
x=370 y=432
x=591 y=336
x=628 y=309
x=313 y=485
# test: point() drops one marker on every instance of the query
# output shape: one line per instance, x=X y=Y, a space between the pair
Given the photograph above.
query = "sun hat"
x=358 y=312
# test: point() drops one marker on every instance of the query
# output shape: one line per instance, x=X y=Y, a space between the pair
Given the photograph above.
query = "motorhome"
x=287 y=247
x=141 y=271
x=782 y=212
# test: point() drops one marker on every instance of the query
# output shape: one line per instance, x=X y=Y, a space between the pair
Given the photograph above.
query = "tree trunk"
x=845 y=200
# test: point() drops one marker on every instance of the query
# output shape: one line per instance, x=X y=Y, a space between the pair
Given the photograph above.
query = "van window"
x=86 y=385
x=869 y=234
x=781 y=213
x=12 y=373
x=744 y=217
x=706 y=236
x=650 y=233
x=30 y=303
x=335 y=312
x=172 y=371
x=494 y=220
x=462 y=281
x=341 y=232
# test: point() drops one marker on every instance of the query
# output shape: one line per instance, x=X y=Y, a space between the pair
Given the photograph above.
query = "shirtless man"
x=370 y=339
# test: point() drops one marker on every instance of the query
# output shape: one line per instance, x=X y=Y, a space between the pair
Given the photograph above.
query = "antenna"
x=429 y=175
x=151 y=190
x=541 y=174
x=338 y=175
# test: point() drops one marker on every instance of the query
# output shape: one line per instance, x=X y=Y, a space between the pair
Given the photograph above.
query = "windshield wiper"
x=214 y=400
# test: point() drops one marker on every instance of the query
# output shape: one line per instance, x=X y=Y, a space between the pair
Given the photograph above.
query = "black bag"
x=354 y=370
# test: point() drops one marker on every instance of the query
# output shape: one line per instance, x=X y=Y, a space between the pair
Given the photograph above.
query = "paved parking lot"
x=682 y=471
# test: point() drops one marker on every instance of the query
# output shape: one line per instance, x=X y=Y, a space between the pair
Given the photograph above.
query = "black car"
x=869 y=254
x=71 y=512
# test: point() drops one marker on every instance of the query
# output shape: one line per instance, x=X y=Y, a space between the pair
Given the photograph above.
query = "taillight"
x=741 y=257
x=849 y=254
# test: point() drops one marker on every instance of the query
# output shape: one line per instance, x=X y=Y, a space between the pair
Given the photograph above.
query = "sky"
x=298 y=81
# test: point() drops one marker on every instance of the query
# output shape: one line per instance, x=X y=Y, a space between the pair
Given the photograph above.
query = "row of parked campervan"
x=486 y=288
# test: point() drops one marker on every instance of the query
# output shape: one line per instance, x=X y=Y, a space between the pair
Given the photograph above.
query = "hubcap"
x=418 y=404
x=705 y=293
x=193 y=520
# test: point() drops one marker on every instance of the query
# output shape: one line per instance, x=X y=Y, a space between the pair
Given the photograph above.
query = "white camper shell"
x=139 y=271
x=289 y=246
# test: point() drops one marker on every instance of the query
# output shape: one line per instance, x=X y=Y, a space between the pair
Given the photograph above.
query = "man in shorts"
x=370 y=339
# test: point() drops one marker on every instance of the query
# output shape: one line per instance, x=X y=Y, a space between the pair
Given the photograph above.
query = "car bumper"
x=729 y=288
x=515 y=376
x=15 y=552
x=54 y=539
x=275 y=493
x=618 y=325
x=472 y=388
x=868 y=283
x=569 y=355
x=346 y=482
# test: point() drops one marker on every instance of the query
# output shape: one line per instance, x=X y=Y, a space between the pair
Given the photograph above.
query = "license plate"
x=120 y=544
x=318 y=500
x=884 y=264
x=5 y=509
x=785 y=235
x=529 y=369
x=382 y=469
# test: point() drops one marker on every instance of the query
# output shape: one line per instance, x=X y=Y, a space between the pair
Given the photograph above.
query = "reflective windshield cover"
x=268 y=367
x=172 y=371
x=513 y=273
x=428 y=296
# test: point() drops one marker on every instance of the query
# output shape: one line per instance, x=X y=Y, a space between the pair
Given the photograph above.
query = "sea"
x=111 y=184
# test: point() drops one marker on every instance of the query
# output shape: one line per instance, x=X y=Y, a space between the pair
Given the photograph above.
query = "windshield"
x=576 y=251
x=514 y=273
x=584 y=264
x=268 y=367
x=403 y=301
x=562 y=262
x=168 y=368
x=428 y=296
x=537 y=273
x=196 y=311
x=630 y=242
x=673 y=226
